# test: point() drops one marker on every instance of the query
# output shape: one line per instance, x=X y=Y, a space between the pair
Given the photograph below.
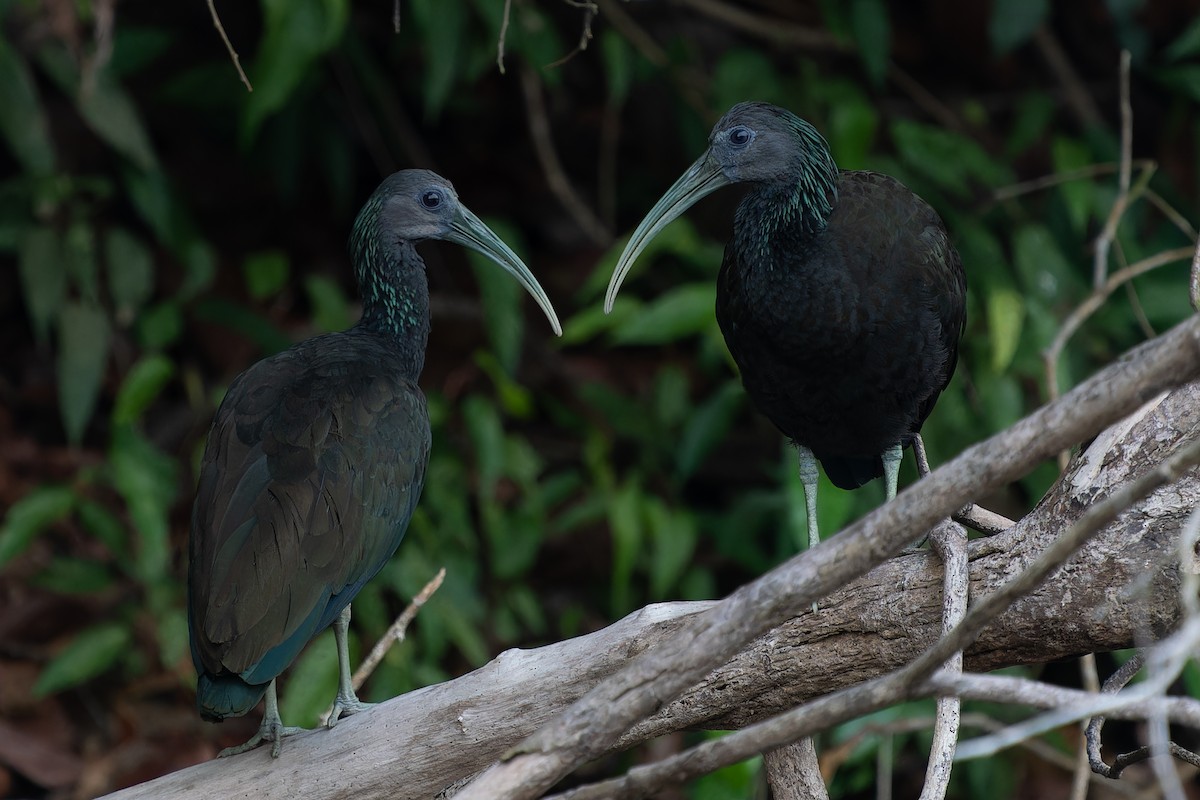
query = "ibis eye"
x=431 y=198
x=740 y=136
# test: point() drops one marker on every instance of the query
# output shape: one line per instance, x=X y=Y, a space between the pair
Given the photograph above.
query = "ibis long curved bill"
x=700 y=180
x=470 y=231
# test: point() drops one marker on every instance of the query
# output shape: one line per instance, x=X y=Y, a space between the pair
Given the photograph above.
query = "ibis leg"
x=347 y=701
x=891 y=468
x=809 y=476
x=271 y=729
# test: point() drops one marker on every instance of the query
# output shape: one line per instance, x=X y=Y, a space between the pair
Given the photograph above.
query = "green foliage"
x=624 y=458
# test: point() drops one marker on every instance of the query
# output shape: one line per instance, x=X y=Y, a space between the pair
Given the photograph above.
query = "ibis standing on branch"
x=840 y=295
x=315 y=462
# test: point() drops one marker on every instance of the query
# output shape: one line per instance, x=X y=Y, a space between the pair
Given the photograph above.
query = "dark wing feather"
x=313 y=468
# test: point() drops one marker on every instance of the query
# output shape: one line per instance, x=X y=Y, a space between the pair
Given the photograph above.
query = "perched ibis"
x=840 y=295
x=315 y=461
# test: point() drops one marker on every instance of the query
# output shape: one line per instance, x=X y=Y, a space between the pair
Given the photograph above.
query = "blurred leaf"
x=329 y=303
x=949 y=159
x=113 y=116
x=146 y=479
x=1005 y=313
x=142 y=384
x=741 y=74
x=618 y=67
x=74 y=576
x=130 y=273
x=236 y=318
x=105 y=528
x=853 y=122
x=515 y=399
x=626 y=530
x=1035 y=111
x=681 y=312
x=80 y=257
x=200 y=263
x=30 y=515
x=672 y=536
x=22 y=121
x=1044 y=272
x=873 y=34
x=1013 y=23
x=135 y=47
x=93 y=651
x=591 y=321
x=266 y=273
x=1183 y=79
x=172 y=629
x=706 y=427
x=43 y=277
x=442 y=27
x=159 y=326
x=295 y=34
x=487 y=440
x=311 y=683
x=1069 y=155
x=501 y=297
x=1187 y=44
x=83 y=339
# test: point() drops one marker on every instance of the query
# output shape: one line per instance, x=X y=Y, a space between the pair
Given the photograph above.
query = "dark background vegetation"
x=161 y=229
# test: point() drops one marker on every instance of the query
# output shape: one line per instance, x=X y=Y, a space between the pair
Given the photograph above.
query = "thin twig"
x=396 y=16
x=229 y=45
x=503 y=35
x=1077 y=94
x=1104 y=240
x=590 y=10
x=1081 y=775
x=556 y=177
x=1057 y=178
x=974 y=516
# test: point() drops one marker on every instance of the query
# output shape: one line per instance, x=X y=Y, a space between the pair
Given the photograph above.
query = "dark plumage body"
x=840 y=296
x=845 y=336
x=315 y=462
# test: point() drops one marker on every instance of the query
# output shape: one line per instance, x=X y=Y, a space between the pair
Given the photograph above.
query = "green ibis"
x=840 y=296
x=315 y=461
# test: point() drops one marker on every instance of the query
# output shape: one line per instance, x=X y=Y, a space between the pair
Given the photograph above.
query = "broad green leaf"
x=159 y=326
x=624 y=520
x=1005 y=313
x=591 y=321
x=266 y=273
x=83 y=271
x=853 y=123
x=1186 y=44
x=83 y=340
x=106 y=528
x=618 y=65
x=22 y=120
x=135 y=47
x=172 y=628
x=1034 y=114
x=1013 y=22
x=744 y=73
x=130 y=273
x=295 y=34
x=330 y=308
x=311 y=682
x=74 y=576
x=249 y=324
x=30 y=515
x=142 y=384
x=487 y=440
x=43 y=277
x=707 y=427
x=682 y=312
x=672 y=535
x=1069 y=155
x=502 y=298
x=93 y=651
x=146 y=479
x=873 y=34
x=951 y=160
x=515 y=399
x=201 y=264
x=109 y=111
x=1044 y=273
x=1181 y=78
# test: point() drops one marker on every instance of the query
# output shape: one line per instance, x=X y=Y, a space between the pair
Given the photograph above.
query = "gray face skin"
x=418 y=204
x=752 y=143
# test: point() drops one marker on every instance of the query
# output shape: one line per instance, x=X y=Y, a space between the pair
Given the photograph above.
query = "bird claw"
x=345 y=706
x=267 y=732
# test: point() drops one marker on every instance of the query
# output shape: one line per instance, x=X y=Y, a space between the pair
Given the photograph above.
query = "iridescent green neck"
x=793 y=209
x=392 y=284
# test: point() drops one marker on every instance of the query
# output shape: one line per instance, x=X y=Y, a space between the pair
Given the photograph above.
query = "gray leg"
x=271 y=729
x=891 y=468
x=347 y=701
x=809 y=476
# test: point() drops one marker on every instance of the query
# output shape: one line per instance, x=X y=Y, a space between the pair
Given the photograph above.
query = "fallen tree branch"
x=416 y=744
